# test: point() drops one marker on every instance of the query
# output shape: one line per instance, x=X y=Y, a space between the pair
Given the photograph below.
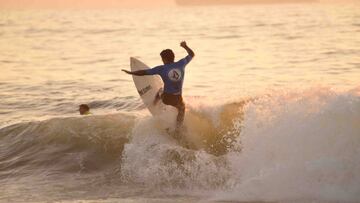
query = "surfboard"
x=148 y=88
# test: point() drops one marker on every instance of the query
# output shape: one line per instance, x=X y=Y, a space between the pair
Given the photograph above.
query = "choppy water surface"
x=273 y=92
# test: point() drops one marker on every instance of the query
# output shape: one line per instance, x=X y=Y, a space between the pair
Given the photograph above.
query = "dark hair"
x=168 y=54
x=85 y=106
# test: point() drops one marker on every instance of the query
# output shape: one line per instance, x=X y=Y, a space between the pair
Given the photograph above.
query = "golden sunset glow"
x=133 y=3
x=179 y=101
x=82 y=3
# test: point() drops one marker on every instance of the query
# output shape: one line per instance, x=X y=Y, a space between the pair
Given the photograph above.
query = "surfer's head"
x=84 y=109
x=167 y=56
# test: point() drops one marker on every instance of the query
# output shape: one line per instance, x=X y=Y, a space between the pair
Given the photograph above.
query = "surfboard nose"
x=132 y=61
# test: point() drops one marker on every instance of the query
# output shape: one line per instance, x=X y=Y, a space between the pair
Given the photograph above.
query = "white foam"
x=299 y=146
x=296 y=145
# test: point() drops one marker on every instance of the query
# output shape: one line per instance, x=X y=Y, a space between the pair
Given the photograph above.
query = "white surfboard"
x=148 y=87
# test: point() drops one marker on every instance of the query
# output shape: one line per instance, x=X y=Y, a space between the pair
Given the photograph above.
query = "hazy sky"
x=98 y=3
x=82 y=3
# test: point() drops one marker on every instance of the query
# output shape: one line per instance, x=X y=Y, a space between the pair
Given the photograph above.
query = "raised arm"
x=138 y=73
x=188 y=50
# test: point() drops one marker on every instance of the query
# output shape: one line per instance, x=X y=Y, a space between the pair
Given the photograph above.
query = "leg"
x=177 y=102
x=180 y=130
x=181 y=114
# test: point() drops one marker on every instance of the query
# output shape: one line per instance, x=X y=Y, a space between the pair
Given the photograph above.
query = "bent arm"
x=188 y=50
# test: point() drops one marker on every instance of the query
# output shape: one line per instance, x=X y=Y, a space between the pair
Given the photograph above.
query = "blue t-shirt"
x=172 y=75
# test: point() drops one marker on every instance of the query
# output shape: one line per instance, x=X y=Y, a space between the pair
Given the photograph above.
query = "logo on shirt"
x=174 y=75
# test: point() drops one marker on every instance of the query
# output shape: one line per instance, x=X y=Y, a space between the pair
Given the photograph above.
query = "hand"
x=183 y=44
x=126 y=71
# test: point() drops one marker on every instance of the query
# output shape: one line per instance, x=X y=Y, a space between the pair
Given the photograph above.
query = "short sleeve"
x=186 y=60
x=154 y=71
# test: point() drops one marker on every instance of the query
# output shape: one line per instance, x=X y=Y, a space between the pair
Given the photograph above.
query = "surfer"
x=172 y=73
x=84 y=109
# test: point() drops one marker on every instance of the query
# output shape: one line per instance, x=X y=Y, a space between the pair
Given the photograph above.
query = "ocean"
x=273 y=93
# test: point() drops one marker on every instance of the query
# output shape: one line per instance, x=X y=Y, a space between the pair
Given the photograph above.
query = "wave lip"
x=63 y=144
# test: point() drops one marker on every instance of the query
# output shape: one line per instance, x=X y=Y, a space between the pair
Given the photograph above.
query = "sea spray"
x=154 y=159
x=299 y=145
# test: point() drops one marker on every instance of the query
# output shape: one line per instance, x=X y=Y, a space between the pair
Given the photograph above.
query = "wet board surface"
x=148 y=87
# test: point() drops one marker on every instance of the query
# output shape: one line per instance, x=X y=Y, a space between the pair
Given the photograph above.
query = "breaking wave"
x=285 y=145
